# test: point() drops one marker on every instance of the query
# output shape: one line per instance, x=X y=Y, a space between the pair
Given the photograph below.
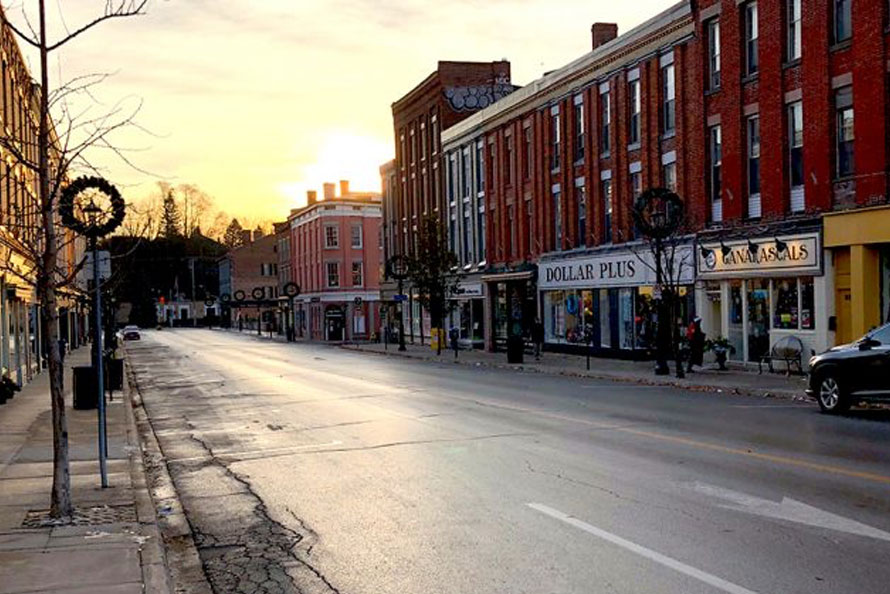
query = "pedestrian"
x=538 y=338
x=454 y=335
x=696 y=338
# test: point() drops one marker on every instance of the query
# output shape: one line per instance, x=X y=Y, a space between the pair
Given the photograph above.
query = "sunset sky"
x=256 y=101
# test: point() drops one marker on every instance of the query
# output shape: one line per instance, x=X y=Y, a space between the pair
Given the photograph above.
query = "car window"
x=882 y=335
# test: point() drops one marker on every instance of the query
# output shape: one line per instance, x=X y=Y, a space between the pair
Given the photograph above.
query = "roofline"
x=589 y=62
x=350 y=201
x=409 y=96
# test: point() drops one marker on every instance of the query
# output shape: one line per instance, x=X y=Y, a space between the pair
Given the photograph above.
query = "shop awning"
x=508 y=276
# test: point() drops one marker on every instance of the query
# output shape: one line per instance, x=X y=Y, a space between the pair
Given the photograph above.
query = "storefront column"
x=864 y=294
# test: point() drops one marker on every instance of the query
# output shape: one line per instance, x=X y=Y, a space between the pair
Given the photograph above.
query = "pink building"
x=336 y=260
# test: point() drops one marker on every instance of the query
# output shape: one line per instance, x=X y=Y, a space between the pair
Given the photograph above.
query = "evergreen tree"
x=232 y=237
x=171 y=220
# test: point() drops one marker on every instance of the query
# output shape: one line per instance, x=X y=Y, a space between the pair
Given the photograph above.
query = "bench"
x=788 y=349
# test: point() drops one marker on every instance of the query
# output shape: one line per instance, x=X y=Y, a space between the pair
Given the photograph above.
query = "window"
x=468 y=237
x=508 y=160
x=333 y=270
x=422 y=141
x=530 y=225
x=842 y=29
x=579 y=128
x=795 y=145
x=753 y=155
x=713 y=31
x=634 y=124
x=636 y=184
x=843 y=104
x=554 y=139
x=581 y=202
x=465 y=172
x=511 y=220
x=605 y=123
x=607 y=211
x=331 y=236
x=451 y=173
x=413 y=147
x=557 y=219
x=715 y=152
x=527 y=151
x=793 y=31
x=793 y=298
x=480 y=231
x=480 y=168
x=356 y=236
x=357 y=276
x=669 y=176
x=434 y=136
x=668 y=94
x=751 y=33
x=882 y=335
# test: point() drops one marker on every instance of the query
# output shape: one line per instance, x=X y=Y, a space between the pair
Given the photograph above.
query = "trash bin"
x=85 y=389
x=515 y=349
x=114 y=374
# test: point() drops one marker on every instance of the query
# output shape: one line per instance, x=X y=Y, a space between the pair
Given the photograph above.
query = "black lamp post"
x=398 y=269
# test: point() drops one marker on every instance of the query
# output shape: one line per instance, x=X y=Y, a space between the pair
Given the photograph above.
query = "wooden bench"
x=788 y=349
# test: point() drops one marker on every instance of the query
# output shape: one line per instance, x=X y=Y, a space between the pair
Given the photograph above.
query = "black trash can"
x=515 y=349
x=86 y=395
x=114 y=374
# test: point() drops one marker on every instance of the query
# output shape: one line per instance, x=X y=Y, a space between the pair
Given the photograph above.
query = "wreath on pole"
x=87 y=228
x=658 y=213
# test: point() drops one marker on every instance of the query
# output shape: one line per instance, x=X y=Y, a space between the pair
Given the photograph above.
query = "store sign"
x=617 y=269
x=467 y=291
x=798 y=254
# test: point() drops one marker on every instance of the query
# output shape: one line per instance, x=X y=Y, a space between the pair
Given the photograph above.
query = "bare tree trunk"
x=60 y=499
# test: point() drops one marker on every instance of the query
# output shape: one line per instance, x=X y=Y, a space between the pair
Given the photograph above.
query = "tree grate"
x=83 y=516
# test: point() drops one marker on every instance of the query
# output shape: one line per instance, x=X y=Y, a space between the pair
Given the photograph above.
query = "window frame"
x=336 y=275
x=750 y=39
x=605 y=124
x=328 y=245
x=847 y=13
x=668 y=100
x=843 y=99
x=579 y=129
x=556 y=203
x=634 y=112
x=352 y=237
x=793 y=31
x=555 y=133
x=794 y=111
x=607 y=190
x=753 y=142
x=361 y=273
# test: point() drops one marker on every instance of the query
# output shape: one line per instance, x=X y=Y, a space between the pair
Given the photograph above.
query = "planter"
x=720 y=355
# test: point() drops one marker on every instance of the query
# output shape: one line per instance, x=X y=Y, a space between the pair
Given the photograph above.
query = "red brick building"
x=335 y=259
x=746 y=109
x=448 y=95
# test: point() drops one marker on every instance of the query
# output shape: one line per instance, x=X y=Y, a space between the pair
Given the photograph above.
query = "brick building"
x=335 y=258
x=248 y=276
x=448 y=95
x=745 y=109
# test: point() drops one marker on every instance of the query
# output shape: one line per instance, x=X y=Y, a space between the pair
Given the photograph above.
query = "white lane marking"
x=255 y=452
x=792 y=511
x=668 y=562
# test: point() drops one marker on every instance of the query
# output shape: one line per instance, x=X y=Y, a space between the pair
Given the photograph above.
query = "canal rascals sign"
x=622 y=269
x=799 y=254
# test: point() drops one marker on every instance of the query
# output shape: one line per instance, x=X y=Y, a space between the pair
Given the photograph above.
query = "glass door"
x=758 y=319
x=735 y=333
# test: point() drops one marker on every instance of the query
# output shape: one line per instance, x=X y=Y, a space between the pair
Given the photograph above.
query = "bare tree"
x=58 y=152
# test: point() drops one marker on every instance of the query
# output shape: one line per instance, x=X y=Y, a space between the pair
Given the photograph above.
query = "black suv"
x=846 y=374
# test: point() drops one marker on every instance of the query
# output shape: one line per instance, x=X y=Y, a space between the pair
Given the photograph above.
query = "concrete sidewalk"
x=113 y=546
x=735 y=381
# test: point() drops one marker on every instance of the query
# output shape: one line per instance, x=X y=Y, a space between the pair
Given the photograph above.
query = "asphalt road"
x=306 y=468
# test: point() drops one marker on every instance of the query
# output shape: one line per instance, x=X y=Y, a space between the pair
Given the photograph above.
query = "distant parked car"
x=846 y=374
x=131 y=333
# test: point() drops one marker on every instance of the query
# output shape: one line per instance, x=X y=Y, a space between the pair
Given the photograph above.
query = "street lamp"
x=398 y=269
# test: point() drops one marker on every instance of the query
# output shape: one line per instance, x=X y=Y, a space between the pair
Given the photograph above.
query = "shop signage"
x=798 y=254
x=467 y=291
x=625 y=268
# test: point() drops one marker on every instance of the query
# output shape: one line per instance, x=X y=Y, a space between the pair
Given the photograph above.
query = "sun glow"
x=341 y=155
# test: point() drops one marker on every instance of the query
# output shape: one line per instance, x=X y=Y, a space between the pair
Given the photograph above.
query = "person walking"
x=538 y=337
x=696 y=338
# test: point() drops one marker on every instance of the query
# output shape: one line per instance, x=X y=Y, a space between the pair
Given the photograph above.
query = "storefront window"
x=573 y=329
x=786 y=314
x=645 y=319
x=605 y=315
x=807 y=304
x=500 y=313
x=758 y=319
x=554 y=316
x=587 y=314
x=736 y=333
x=626 y=318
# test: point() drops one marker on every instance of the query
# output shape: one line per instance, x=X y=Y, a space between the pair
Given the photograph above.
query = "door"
x=843 y=317
x=758 y=319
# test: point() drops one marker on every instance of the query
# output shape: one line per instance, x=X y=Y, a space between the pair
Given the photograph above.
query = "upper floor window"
x=356 y=236
x=413 y=147
x=557 y=218
x=668 y=96
x=480 y=168
x=579 y=128
x=451 y=173
x=423 y=141
x=793 y=31
x=751 y=32
x=843 y=105
x=669 y=176
x=465 y=172
x=357 y=274
x=527 y=152
x=508 y=159
x=715 y=158
x=434 y=135
x=713 y=32
x=607 y=211
x=581 y=209
x=333 y=273
x=795 y=143
x=605 y=122
x=331 y=236
x=634 y=105
x=554 y=138
x=843 y=26
x=753 y=155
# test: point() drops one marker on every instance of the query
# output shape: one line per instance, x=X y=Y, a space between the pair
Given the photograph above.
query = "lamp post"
x=291 y=291
x=92 y=212
x=398 y=269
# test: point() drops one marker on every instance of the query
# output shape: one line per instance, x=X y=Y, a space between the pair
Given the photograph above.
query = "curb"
x=783 y=394
x=184 y=565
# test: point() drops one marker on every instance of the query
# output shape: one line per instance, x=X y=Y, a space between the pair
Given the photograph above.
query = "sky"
x=256 y=101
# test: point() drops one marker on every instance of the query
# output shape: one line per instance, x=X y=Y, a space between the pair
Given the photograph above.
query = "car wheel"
x=831 y=397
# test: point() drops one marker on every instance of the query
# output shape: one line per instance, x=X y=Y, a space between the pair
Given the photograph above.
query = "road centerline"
x=645 y=552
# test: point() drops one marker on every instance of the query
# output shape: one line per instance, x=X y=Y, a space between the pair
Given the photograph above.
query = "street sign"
x=357 y=301
x=398 y=298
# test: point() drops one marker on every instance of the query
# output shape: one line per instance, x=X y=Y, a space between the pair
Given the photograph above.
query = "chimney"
x=603 y=33
x=311 y=197
x=246 y=236
x=344 y=187
x=329 y=191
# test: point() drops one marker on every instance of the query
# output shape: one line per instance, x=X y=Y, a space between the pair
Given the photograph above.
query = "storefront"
x=512 y=306
x=758 y=289
x=859 y=244
x=467 y=313
x=606 y=301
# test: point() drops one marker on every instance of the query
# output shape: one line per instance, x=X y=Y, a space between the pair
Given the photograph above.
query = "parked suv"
x=846 y=374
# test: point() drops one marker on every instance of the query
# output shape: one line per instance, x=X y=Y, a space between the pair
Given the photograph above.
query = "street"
x=308 y=468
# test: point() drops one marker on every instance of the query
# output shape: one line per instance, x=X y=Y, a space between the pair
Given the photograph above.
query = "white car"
x=130 y=333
